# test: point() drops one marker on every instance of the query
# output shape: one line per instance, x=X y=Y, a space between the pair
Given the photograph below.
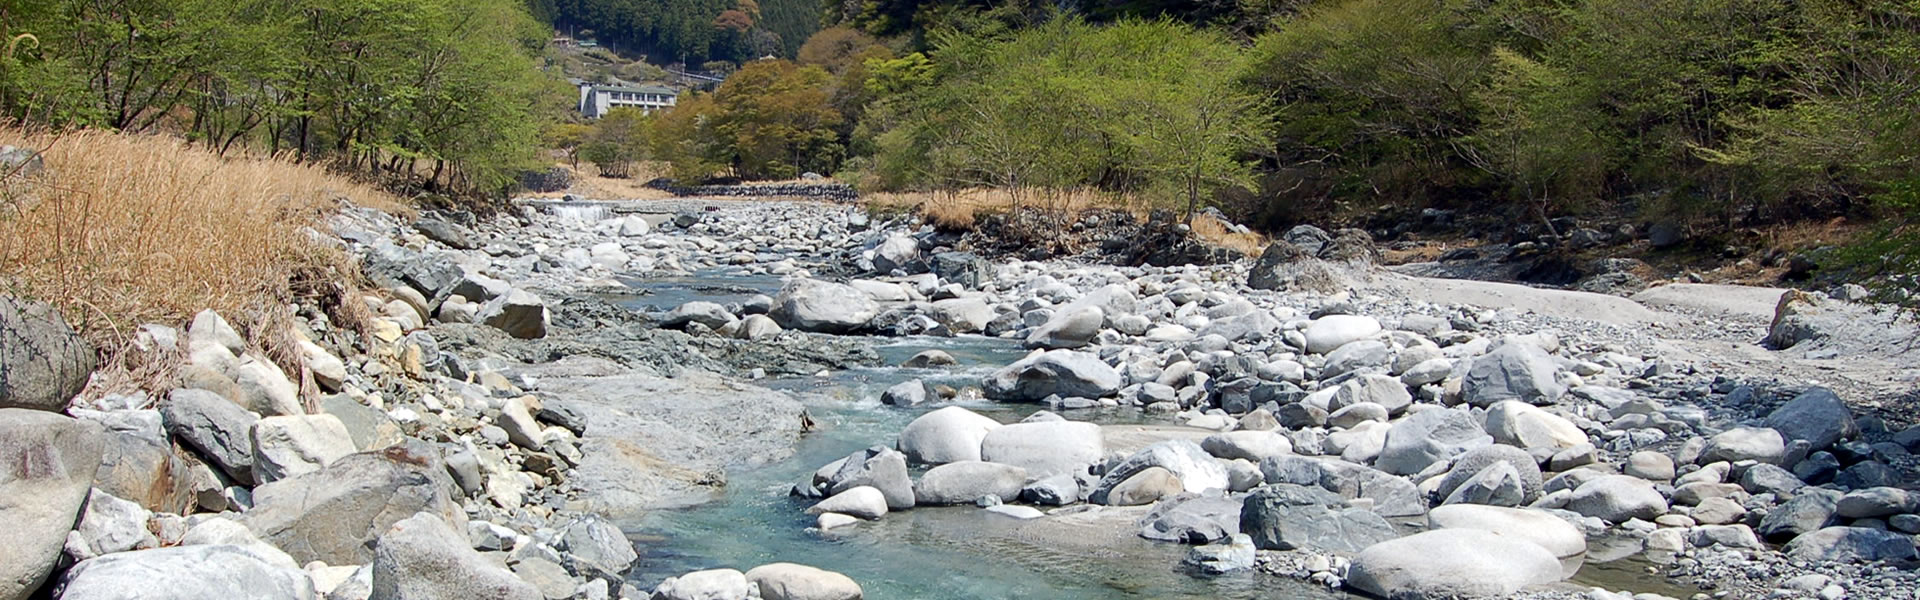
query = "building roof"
x=644 y=89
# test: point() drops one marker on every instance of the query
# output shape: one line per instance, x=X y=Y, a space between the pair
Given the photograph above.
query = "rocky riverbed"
x=519 y=389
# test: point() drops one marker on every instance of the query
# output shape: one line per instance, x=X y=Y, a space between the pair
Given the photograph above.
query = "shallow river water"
x=944 y=553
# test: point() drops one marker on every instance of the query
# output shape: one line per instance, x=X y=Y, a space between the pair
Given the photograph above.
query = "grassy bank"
x=121 y=230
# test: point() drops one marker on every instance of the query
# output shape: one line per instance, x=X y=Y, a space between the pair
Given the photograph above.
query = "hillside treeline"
x=443 y=94
x=1708 y=112
x=693 y=32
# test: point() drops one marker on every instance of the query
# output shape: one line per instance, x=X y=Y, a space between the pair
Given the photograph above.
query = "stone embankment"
x=838 y=192
x=481 y=428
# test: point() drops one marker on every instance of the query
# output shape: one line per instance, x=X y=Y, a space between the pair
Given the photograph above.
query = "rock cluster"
x=1528 y=434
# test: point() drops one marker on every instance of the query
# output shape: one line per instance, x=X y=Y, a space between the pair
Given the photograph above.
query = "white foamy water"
x=579 y=212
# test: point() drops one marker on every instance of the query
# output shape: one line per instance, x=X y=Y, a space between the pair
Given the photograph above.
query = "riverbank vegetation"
x=119 y=229
x=1706 y=117
x=437 y=95
x=1711 y=114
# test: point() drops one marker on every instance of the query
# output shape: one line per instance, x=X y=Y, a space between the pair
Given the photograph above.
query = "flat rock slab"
x=1562 y=304
x=1736 y=300
x=661 y=443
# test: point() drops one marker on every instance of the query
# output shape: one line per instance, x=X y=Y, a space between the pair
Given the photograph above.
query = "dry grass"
x=1807 y=235
x=587 y=183
x=958 y=209
x=1214 y=232
x=122 y=230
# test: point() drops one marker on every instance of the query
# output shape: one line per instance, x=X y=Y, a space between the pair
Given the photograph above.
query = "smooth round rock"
x=1447 y=563
x=1536 y=526
x=789 y=581
x=1618 y=498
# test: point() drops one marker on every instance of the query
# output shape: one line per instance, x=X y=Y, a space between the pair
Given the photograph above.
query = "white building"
x=596 y=100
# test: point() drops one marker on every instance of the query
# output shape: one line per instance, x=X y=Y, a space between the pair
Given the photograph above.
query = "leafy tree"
x=378 y=86
x=1146 y=108
x=775 y=120
x=685 y=138
x=1537 y=136
x=568 y=138
x=1372 y=95
x=617 y=141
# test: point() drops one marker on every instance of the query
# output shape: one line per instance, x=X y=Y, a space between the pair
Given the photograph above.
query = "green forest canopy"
x=442 y=91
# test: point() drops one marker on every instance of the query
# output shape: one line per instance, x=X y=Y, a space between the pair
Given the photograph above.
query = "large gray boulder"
x=520 y=313
x=421 y=557
x=964 y=268
x=1286 y=267
x=822 y=307
x=207 y=572
x=962 y=315
x=47 y=463
x=1745 y=443
x=1065 y=373
x=1448 y=563
x=1428 y=437
x=789 y=581
x=264 y=388
x=1293 y=517
x=1851 y=544
x=863 y=502
x=597 y=547
x=335 y=514
x=878 y=467
x=1517 y=423
x=1541 y=528
x=951 y=434
x=965 y=482
x=1471 y=464
x=1193 y=519
x=897 y=252
x=1618 y=498
x=1045 y=448
x=1512 y=371
x=1818 y=416
x=708 y=314
x=1328 y=333
x=711 y=584
x=1071 y=327
x=1146 y=486
x=1251 y=445
x=1390 y=495
x=146 y=471
x=216 y=428
x=1197 y=470
x=453 y=235
x=43 y=362
x=110 y=525
x=1810 y=510
x=294 y=445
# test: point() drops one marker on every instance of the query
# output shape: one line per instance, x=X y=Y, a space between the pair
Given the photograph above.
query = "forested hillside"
x=1703 y=115
x=440 y=93
x=688 y=31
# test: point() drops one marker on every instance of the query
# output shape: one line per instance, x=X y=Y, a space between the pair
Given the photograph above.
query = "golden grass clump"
x=121 y=230
x=1212 y=231
x=957 y=209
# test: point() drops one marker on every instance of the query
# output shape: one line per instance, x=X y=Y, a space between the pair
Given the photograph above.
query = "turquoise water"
x=948 y=552
x=665 y=293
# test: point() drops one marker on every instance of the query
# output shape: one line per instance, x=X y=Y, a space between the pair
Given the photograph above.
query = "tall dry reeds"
x=121 y=230
x=957 y=209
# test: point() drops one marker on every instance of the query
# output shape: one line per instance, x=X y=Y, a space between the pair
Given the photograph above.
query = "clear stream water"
x=943 y=553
